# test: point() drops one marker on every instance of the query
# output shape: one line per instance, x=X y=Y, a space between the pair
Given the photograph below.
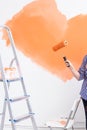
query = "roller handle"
x=65 y=60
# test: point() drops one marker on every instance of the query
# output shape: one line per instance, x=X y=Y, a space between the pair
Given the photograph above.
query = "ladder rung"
x=11 y=80
x=15 y=79
x=19 y=98
x=22 y=117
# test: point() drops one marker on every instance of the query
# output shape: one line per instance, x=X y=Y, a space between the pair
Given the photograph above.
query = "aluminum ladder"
x=7 y=83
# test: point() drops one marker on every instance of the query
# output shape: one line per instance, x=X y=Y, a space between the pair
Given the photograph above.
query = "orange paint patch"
x=63 y=122
x=39 y=26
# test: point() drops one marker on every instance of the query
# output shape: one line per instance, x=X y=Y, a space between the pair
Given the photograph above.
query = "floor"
x=78 y=126
x=28 y=128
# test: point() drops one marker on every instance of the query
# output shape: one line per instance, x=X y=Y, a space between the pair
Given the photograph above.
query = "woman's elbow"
x=80 y=78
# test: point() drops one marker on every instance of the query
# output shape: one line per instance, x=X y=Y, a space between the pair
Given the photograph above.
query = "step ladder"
x=7 y=85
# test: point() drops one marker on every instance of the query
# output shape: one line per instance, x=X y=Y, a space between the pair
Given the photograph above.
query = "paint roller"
x=59 y=46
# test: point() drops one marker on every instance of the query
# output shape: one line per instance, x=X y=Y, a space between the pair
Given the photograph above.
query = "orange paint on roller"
x=60 y=45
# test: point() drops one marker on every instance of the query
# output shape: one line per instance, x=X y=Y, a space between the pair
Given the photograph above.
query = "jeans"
x=85 y=108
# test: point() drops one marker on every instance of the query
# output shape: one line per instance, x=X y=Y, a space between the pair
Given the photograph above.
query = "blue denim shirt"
x=83 y=76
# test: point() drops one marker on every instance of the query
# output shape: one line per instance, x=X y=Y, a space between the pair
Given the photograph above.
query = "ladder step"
x=11 y=80
x=22 y=118
x=19 y=98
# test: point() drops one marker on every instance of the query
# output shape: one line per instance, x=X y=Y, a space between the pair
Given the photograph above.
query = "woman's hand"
x=67 y=62
x=71 y=67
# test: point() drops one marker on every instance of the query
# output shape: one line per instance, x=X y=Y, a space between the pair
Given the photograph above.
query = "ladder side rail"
x=3 y=115
x=6 y=93
x=4 y=112
x=13 y=46
x=14 y=51
x=29 y=107
x=25 y=93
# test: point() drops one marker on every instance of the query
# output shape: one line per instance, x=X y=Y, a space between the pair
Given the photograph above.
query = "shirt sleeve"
x=82 y=68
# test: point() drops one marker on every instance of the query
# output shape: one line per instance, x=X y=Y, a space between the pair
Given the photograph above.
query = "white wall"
x=50 y=96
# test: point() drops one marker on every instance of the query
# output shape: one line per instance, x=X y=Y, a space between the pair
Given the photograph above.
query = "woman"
x=81 y=74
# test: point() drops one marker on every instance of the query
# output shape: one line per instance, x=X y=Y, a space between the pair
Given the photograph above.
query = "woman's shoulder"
x=85 y=58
